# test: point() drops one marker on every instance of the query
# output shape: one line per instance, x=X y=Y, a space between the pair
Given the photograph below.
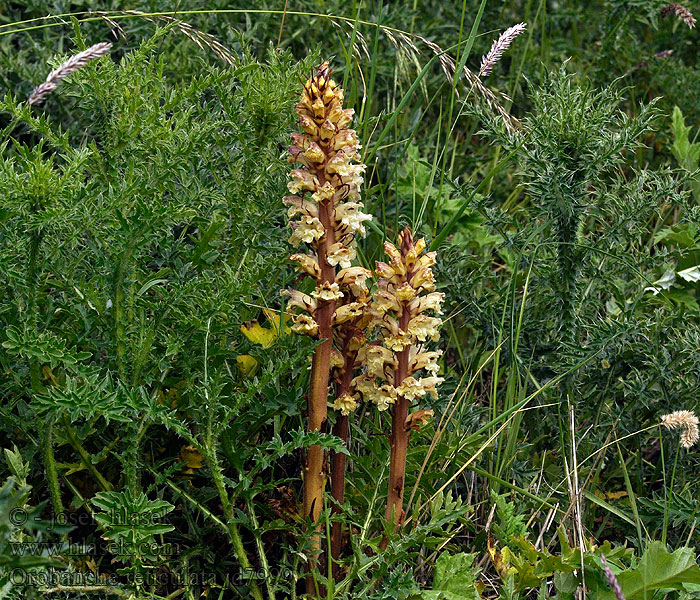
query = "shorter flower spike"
x=400 y=306
x=399 y=369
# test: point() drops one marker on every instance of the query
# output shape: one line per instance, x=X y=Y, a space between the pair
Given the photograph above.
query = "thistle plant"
x=401 y=308
x=325 y=215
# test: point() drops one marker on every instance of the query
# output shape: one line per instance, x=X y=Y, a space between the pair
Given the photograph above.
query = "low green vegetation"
x=495 y=263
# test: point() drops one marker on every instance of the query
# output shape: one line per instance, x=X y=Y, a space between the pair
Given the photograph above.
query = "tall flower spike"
x=326 y=216
x=399 y=368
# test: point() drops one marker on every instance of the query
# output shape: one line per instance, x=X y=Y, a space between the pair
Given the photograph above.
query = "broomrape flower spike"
x=687 y=422
x=399 y=369
x=326 y=215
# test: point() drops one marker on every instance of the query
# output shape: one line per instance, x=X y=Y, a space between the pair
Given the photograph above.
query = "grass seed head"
x=687 y=422
x=74 y=63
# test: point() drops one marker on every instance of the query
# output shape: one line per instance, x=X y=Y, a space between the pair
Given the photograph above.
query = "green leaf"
x=687 y=154
x=657 y=569
x=454 y=579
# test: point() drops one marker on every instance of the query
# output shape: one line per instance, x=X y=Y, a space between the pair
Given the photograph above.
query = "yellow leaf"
x=258 y=334
x=616 y=495
x=247 y=364
x=191 y=457
x=277 y=318
x=48 y=375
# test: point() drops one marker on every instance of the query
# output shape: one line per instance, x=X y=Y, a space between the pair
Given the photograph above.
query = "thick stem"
x=341 y=429
x=338 y=465
x=314 y=475
x=397 y=464
x=399 y=443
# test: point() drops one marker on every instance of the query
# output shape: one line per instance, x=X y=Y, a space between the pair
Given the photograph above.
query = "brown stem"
x=397 y=467
x=341 y=429
x=314 y=475
x=338 y=463
x=399 y=444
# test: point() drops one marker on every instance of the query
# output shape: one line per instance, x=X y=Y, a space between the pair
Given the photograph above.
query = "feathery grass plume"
x=395 y=364
x=403 y=42
x=687 y=422
x=326 y=215
x=200 y=38
x=499 y=47
x=680 y=11
x=70 y=66
x=612 y=580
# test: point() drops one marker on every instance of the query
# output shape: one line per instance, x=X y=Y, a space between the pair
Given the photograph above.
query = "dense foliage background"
x=145 y=369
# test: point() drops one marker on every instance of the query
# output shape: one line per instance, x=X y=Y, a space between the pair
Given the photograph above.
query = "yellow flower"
x=300 y=300
x=376 y=358
x=305 y=325
x=307 y=229
x=422 y=328
x=327 y=291
x=410 y=388
x=307 y=264
x=339 y=254
x=424 y=360
x=349 y=311
x=354 y=278
x=345 y=404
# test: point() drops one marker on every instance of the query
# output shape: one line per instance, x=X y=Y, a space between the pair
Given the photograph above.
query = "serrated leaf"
x=657 y=569
x=454 y=578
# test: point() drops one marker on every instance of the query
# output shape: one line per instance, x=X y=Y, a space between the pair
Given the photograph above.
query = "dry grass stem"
x=200 y=38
